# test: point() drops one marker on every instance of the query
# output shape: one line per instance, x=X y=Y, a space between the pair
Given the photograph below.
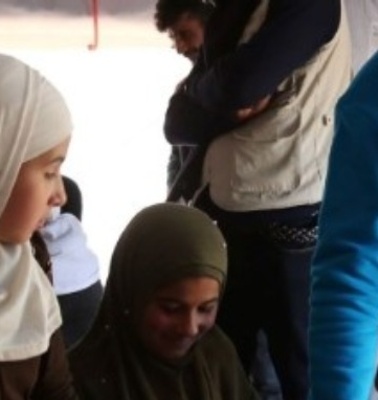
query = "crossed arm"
x=215 y=96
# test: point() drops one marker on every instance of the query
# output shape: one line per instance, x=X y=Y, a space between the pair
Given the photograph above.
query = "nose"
x=190 y=325
x=181 y=46
x=59 y=196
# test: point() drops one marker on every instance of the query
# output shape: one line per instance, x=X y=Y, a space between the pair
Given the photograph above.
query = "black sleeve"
x=293 y=31
x=187 y=123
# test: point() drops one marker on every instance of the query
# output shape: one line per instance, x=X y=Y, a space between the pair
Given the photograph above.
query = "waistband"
x=286 y=215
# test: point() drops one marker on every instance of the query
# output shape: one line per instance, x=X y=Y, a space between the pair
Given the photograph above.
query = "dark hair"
x=167 y=12
x=73 y=204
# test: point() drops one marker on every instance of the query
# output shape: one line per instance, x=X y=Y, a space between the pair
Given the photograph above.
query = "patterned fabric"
x=294 y=236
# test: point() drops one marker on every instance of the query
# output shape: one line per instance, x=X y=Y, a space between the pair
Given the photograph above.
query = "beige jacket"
x=279 y=158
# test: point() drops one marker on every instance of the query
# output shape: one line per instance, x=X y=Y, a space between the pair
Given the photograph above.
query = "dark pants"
x=263 y=373
x=267 y=288
x=78 y=312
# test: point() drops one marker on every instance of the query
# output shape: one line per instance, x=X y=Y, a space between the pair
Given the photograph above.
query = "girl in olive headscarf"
x=154 y=337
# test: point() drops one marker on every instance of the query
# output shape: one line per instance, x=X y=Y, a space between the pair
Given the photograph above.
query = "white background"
x=118 y=154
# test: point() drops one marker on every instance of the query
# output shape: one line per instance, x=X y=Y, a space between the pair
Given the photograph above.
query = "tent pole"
x=95 y=18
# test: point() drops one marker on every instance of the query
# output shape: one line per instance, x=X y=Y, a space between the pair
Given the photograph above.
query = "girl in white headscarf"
x=35 y=127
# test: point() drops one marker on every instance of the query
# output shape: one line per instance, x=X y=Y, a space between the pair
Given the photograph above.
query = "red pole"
x=95 y=17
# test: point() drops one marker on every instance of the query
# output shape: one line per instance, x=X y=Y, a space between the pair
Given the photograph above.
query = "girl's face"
x=178 y=315
x=38 y=188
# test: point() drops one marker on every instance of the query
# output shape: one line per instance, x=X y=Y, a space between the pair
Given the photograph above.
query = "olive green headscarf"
x=163 y=243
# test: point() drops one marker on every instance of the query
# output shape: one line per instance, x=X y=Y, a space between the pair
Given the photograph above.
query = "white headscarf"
x=33 y=119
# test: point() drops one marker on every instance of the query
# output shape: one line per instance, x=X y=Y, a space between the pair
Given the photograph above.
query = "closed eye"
x=208 y=308
x=170 y=307
x=51 y=175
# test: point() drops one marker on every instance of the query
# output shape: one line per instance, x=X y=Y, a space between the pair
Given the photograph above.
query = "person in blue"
x=344 y=299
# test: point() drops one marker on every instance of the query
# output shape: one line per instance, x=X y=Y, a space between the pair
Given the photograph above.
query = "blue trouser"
x=268 y=288
x=263 y=372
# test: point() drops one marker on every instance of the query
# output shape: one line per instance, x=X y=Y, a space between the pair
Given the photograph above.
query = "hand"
x=246 y=113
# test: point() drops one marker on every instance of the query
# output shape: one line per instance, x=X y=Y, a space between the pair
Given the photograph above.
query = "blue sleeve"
x=293 y=31
x=344 y=299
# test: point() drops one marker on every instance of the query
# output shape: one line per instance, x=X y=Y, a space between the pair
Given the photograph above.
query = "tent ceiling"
x=76 y=7
x=77 y=23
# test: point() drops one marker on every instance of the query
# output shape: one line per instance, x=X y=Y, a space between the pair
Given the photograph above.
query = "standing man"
x=263 y=174
x=185 y=22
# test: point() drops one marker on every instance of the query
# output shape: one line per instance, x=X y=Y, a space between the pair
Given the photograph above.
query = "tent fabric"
x=83 y=24
x=75 y=7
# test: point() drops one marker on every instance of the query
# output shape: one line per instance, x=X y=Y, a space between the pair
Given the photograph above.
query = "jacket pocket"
x=261 y=159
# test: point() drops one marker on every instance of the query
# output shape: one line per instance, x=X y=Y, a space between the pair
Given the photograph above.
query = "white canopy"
x=77 y=23
x=77 y=7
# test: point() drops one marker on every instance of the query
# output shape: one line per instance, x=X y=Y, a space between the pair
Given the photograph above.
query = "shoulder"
x=97 y=356
x=217 y=346
x=224 y=367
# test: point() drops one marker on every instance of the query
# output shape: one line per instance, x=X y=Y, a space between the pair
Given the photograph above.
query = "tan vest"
x=278 y=159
